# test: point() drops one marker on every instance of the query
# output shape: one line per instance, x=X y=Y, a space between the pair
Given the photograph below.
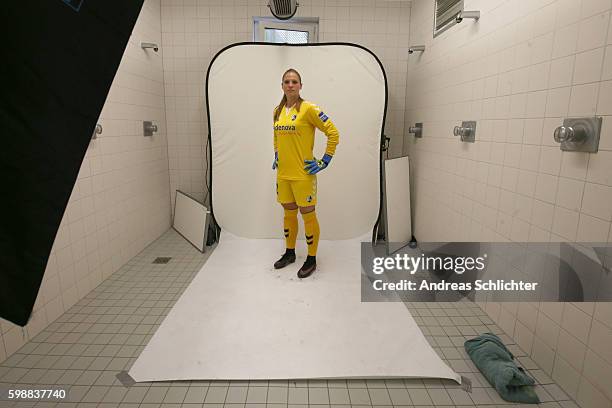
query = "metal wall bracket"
x=579 y=134
x=97 y=131
x=149 y=128
x=417 y=130
x=467 y=131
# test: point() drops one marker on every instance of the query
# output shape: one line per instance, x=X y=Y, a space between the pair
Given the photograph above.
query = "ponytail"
x=280 y=106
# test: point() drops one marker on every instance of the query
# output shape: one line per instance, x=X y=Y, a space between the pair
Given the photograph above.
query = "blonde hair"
x=283 y=101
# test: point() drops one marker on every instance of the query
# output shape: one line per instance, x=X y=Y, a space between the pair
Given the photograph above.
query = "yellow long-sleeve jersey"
x=294 y=139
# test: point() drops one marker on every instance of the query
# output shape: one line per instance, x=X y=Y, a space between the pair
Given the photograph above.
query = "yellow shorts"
x=302 y=192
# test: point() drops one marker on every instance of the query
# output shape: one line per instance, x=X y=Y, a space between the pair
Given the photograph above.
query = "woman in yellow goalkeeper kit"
x=295 y=121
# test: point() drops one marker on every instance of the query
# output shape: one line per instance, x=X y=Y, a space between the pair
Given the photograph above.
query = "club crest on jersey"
x=309 y=199
x=323 y=117
x=293 y=117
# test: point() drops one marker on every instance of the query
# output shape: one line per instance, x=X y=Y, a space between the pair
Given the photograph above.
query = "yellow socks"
x=291 y=227
x=311 y=225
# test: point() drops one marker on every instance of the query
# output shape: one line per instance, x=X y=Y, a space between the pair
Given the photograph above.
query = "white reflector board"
x=244 y=86
x=398 y=225
x=190 y=219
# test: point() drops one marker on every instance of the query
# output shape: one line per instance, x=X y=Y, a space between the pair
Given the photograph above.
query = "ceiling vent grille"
x=283 y=9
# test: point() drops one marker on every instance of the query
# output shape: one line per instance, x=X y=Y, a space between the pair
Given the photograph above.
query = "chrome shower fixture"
x=283 y=9
x=145 y=45
x=467 y=14
x=414 y=48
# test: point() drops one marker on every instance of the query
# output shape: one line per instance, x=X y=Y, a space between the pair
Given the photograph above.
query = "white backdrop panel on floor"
x=241 y=319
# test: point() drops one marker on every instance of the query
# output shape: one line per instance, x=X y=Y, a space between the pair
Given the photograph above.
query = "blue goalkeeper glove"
x=275 y=162
x=315 y=166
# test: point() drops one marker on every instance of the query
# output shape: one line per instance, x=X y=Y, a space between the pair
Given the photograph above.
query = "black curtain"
x=59 y=60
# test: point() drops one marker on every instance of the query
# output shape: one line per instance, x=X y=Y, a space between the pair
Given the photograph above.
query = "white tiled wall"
x=518 y=71
x=120 y=202
x=193 y=31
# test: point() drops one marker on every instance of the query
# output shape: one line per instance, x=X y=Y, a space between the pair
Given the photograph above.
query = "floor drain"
x=162 y=260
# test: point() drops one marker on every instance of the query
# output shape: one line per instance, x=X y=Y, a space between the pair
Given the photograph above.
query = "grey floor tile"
x=155 y=395
x=298 y=383
x=556 y=392
x=95 y=394
x=76 y=392
x=298 y=396
x=70 y=377
x=460 y=397
x=395 y=383
x=356 y=384
x=379 y=396
x=52 y=376
x=277 y=395
x=87 y=378
x=14 y=374
x=216 y=395
x=257 y=395
x=377 y=383
x=107 y=378
x=115 y=394
x=47 y=361
x=195 y=394
x=359 y=396
x=339 y=396
x=236 y=395
x=318 y=396
x=258 y=383
x=135 y=395
x=414 y=383
x=439 y=396
x=336 y=383
x=419 y=397
x=400 y=396
x=317 y=383
x=34 y=376
x=175 y=395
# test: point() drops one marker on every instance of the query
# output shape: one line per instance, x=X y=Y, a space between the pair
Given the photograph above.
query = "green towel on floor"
x=496 y=363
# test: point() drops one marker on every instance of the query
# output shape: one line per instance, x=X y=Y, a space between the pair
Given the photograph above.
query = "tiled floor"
x=84 y=349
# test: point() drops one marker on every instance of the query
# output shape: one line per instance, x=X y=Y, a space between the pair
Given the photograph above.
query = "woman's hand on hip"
x=315 y=166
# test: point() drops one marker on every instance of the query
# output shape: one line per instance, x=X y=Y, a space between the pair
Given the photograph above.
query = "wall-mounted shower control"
x=467 y=131
x=417 y=130
x=145 y=45
x=149 y=128
x=579 y=135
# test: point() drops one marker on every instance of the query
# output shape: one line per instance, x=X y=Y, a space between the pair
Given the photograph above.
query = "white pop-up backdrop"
x=242 y=319
x=244 y=86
